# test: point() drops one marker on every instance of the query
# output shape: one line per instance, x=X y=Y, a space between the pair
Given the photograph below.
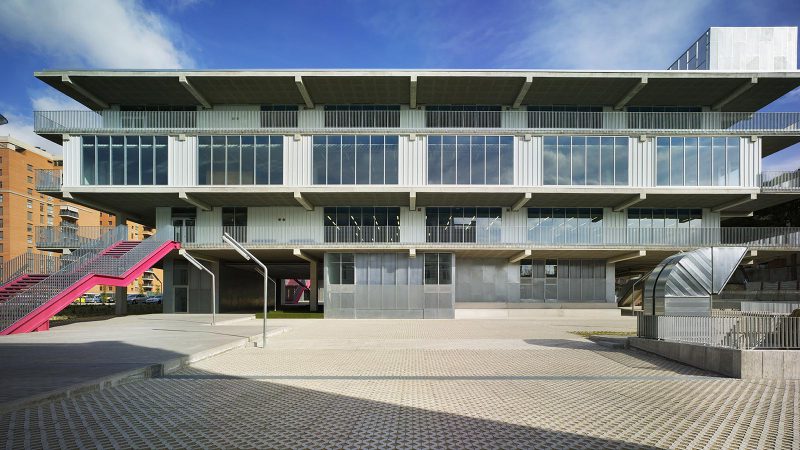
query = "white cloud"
x=20 y=127
x=614 y=34
x=57 y=102
x=95 y=33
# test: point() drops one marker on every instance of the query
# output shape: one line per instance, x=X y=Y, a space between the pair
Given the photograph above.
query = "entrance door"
x=184 y=228
x=181 y=299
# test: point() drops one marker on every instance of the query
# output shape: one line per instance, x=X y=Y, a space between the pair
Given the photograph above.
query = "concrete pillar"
x=281 y=291
x=611 y=287
x=313 y=287
x=120 y=300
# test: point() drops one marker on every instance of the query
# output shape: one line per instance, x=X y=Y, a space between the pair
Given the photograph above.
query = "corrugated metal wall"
x=528 y=161
x=297 y=161
x=750 y=162
x=285 y=223
x=183 y=161
x=72 y=161
x=412 y=161
x=412 y=118
x=412 y=225
x=642 y=162
x=163 y=217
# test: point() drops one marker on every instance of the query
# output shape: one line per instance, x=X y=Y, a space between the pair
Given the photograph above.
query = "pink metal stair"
x=19 y=284
x=118 y=264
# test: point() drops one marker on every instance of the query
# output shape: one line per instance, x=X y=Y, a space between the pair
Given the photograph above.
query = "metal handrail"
x=776 y=180
x=69 y=236
x=256 y=121
x=28 y=264
x=742 y=331
x=209 y=236
x=48 y=180
x=84 y=262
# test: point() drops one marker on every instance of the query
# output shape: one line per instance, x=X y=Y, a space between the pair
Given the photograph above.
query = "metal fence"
x=28 y=264
x=254 y=121
x=741 y=332
x=774 y=180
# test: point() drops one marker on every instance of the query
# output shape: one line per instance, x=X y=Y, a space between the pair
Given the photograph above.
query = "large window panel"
x=457 y=224
x=480 y=160
x=584 y=160
x=362 y=224
x=124 y=160
x=438 y=268
x=240 y=160
x=373 y=160
x=693 y=161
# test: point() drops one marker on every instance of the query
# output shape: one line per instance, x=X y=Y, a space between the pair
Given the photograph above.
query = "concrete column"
x=611 y=276
x=120 y=300
x=313 y=287
x=281 y=291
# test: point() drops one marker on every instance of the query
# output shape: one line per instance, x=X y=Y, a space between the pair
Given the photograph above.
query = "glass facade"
x=350 y=159
x=565 y=225
x=664 y=218
x=463 y=116
x=362 y=116
x=585 y=160
x=341 y=268
x=438 y=268
x=362 y=224
x=124 y=160
x=470 y=159
x=697 y=161
x=481 y=225
x=695 y=57
x=234 y=222
x=239 y=160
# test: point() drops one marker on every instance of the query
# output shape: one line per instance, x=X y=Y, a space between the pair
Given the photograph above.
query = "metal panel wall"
x=750 y=162
x=528 y=161
x=487 y=280
x=163 y=217
x=233 y=119
x=710 y=219
x=412 y=161
x=412 y=225
x=183 y=161
x=285 y=222
x=412 y=118
x=297 y=161
x=642 y=162
x=207 y=225
x=72 y=162
x=515 y=223
x=311 y=118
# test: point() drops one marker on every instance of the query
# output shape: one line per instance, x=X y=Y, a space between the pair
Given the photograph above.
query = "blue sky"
x=201 y=34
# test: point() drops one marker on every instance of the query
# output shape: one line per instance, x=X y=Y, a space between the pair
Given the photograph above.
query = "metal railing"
x=494 y=235
x=742 y=331
x=84 y=262
x=29 y=264
x=256 y=121
x=48 y=180
x=68 y=236
x=773 y=180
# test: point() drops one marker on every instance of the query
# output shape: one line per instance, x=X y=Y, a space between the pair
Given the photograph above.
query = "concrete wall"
x=753 y=48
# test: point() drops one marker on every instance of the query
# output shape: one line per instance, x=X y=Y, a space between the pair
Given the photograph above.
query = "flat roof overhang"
x=139 y=203
x=96 y=88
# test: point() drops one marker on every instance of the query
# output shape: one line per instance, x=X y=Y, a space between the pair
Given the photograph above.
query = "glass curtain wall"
x=438 y=268
x=553 y=226
x=666 y=226
x=585 y=160
x=239 y=160
x=124 y=160
x=234 y=222
x=471 y=160
x=697 y=161
x=355 y=159
x=362 y=224
x=479 y=225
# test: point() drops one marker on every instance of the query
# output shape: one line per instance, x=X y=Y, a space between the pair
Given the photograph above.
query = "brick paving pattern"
x=424 y=384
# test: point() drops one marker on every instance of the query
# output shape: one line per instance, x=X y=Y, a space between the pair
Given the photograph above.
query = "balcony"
x=68 y=236
x=67 y=212
x=780 y=181
x=48 y=180
x=492 y=236
x=77 y=122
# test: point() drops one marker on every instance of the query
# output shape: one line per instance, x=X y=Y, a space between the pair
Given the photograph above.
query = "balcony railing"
x=740 y=331
x=450 y=236
x=76 y=122
x=48 y=180
x=69 y=236
x=780 y=180
x=68 y=213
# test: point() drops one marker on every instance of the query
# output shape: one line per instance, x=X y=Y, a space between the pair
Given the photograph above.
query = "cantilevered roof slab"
x=488 y=90
x=243 y=90
x=578 y=90
x=358 y=89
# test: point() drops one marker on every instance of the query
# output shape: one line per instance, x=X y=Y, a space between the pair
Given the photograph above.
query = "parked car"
x=134 y=299
x=92 y=298
x=155 y=299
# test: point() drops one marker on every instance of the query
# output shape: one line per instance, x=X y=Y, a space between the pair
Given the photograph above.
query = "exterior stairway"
x=19 y=284
x=111 y=260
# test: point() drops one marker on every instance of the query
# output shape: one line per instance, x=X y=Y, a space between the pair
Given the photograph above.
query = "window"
x=29 y=204
x=697 y=161
x=362 y=116
x=234 y=222
x=1 y=198
x=565 y=225
x=463 y=116
x=279 y=116
x=664 y=218
x=341 y=268
x=124 y=160
x=362 y=224
x=585 y=160
x=30 y=167
x=30 y=179
x=438 y=268
x=30 y=191
x=470 y=160
x=30 y=228
x=664 y=117
x=1 y=235
x=551 y=268
x=565 y=116
x=347 y=159
x=30 y=239
x=447 y=224
x=41 y=207
x=239 y=160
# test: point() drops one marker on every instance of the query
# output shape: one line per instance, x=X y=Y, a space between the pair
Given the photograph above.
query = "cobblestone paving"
x=424 y=384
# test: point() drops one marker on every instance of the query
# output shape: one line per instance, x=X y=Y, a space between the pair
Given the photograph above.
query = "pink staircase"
x=28 y=302
x=19 y=284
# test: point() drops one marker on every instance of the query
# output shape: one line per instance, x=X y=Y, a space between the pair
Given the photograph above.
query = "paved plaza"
x=424 y=384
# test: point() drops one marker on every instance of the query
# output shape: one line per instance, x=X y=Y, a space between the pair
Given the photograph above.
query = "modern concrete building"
x=434 y=193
